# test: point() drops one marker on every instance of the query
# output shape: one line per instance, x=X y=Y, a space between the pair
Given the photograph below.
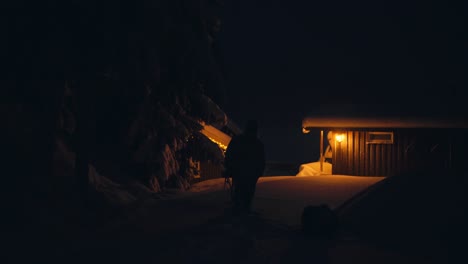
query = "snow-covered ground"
x=195 y=226
x=282 y=198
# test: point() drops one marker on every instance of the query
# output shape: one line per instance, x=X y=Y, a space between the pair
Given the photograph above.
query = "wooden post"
x=321 y=151
x=450 y=153
x=335 y=153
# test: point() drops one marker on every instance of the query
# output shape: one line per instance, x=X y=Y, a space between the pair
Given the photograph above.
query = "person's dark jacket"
x=245 y=155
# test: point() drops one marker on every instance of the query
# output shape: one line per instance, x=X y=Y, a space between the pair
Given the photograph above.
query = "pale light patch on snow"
x=313 y=169
x=282 y=198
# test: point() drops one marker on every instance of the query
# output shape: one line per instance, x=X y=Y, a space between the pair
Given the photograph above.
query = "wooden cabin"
x=215 y=141
x=385 y=146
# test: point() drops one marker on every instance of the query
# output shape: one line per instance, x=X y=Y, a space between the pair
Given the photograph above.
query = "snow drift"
x=313 y=169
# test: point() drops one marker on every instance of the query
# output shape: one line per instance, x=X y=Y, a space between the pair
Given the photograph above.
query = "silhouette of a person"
x=245 y=163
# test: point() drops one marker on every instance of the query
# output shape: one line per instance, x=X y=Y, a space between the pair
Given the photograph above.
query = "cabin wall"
x=412 y=149
x=210 y=170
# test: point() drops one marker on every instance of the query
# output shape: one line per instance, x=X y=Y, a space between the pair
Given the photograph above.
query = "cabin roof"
x=382 y=122
x=216 y=135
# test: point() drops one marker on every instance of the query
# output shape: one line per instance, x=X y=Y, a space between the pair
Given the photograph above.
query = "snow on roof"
x=231 y=125
x=216 y=135
x=382 y=122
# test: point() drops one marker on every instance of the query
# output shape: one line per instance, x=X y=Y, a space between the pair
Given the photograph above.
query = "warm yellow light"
x=339 y=137
x=221 y=145
x=305 y=131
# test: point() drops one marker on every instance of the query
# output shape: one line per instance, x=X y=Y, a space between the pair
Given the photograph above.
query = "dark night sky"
x=284 y=59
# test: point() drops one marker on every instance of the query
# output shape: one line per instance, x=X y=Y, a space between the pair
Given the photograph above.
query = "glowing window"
x=379 y=138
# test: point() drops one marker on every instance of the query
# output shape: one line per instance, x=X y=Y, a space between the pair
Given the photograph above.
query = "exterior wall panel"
x=210 y=170
x=412 y=149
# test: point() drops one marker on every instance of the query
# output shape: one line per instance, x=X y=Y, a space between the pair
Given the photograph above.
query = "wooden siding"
x=210 y=170
x=412 y=149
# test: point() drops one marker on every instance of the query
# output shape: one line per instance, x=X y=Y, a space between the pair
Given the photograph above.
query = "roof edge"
x=382 y=122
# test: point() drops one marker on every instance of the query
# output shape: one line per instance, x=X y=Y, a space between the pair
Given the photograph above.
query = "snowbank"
x=313 y=169
x=211 y=185
x=111 y=192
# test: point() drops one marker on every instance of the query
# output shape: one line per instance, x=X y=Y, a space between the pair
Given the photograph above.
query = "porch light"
x=339 y=137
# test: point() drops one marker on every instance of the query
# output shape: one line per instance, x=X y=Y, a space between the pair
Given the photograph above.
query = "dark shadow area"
x=420 y=213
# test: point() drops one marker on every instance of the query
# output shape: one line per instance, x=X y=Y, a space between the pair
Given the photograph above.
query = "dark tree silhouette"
x=116 y=87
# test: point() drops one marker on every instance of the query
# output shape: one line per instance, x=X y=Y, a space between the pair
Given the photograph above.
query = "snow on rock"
x=111 y=192
x=313 y=169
